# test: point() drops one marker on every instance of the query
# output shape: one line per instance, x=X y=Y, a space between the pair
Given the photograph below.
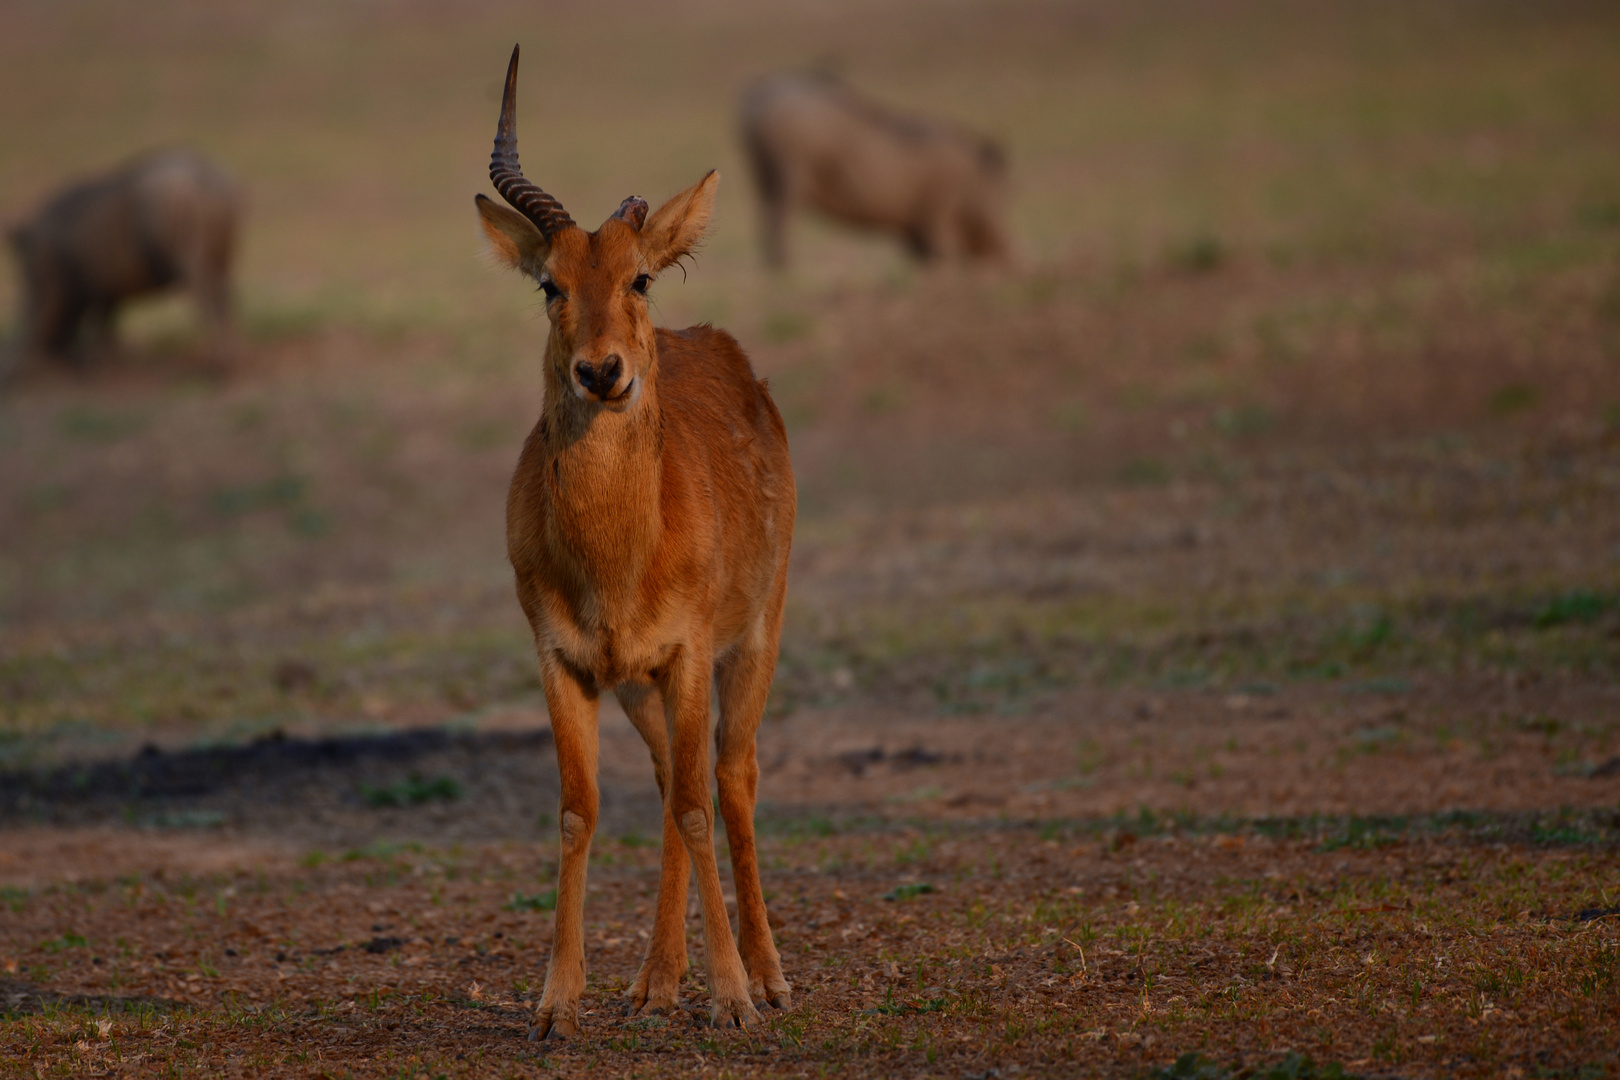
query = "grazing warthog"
x=815 y=142
x=166 y=219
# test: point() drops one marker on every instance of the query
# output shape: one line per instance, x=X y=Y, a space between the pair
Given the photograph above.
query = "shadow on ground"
x=428 y=785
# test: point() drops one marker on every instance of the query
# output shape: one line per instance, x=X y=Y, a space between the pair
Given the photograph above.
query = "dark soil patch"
x=325 y=791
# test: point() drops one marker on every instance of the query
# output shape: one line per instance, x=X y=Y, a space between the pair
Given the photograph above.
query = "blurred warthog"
x=166 y=219
x=815 y=142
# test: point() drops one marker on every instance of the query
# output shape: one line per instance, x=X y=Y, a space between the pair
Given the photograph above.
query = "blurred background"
x=1305 y=377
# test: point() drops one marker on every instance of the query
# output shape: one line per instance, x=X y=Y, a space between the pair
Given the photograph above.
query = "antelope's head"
x=601 y=345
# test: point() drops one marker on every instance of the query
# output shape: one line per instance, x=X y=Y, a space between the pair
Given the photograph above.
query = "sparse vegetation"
x=413 y=791
x=910 y=891
x=542 y=901
x=1202 y=634
x=1293 y=1066
x=1177 y=938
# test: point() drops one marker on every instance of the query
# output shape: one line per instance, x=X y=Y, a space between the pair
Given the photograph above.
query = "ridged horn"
x=525 y=196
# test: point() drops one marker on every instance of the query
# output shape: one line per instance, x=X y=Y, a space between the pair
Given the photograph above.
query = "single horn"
x=633 y=211
x=525 y=196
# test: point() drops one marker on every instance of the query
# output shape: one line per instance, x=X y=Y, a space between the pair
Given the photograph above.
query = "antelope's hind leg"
x=573 y=726
x=657 y=987
x=745 y=683
x=686 y=707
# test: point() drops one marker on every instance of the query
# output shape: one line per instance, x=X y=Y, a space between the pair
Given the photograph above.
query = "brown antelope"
x=648 y=524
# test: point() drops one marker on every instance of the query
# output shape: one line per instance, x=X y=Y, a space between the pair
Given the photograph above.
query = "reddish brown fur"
x=648 y=524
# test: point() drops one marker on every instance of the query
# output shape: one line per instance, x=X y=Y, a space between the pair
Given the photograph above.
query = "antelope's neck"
x=604 y=484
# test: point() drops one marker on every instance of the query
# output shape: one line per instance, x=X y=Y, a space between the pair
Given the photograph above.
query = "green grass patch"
x=540 y=901
x=1512 y=398
x=414 y=790
x=68 y=940
x=785 y=326
x=1144 y=472
x=1577 y=606
x=910 y=891
x=1199 y=254
x=999 y=654
x=1193 y=1066
x=276 y=493
x=1244 y=421
x=84 y=423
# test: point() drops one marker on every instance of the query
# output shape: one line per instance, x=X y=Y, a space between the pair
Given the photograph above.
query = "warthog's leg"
x=686 y=701
x=96 y=344
x=205 y=272
x=573 y=726
x=745 y=682
x=658 y=985
x=214 y=301
x=209 y=282
x=773 y=222
x=775 y=199
x=940 y=236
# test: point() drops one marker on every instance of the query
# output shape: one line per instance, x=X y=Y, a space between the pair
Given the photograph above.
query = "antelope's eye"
x=641 y=283
x=549 y=287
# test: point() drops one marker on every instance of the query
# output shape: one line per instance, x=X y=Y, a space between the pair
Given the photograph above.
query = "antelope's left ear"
x=675 y=228
x=513 y=237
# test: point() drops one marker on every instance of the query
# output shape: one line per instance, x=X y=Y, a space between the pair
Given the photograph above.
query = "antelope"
x=648 y=525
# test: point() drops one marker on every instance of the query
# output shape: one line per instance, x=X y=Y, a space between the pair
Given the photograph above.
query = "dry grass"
x=919 y=950
x=1227 y=591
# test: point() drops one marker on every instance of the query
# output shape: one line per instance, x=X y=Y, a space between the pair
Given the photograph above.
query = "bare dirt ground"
x=1203 y=634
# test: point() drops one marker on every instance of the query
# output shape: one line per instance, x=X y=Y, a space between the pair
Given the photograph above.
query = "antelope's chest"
x=613 y=643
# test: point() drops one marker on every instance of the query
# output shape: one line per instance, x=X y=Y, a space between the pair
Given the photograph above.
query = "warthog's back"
x=185 y=195
x=815 y=142
x=852 y=159
x=126 y=232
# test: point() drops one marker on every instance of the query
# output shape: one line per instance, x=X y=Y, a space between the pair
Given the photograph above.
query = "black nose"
x=601 y=378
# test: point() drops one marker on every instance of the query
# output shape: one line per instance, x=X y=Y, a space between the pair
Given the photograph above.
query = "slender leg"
x=940 y=231
x=686 y=705
x=98 y=345
x=573 y=725
x=773 y=200
x=207 y=273
x=79 y=337
x=214 y=300
x=745 y=682
x=658 y=985
x=774 y=215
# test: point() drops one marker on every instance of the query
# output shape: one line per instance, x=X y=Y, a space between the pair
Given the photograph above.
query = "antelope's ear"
x=675 y=228
x=513 y=237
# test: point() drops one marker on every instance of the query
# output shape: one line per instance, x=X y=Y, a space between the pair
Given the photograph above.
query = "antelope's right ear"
x=513 y=237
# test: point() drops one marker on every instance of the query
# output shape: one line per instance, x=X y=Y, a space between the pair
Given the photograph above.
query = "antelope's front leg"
x=686 y=705
x=573 y=725
x=657 y=987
